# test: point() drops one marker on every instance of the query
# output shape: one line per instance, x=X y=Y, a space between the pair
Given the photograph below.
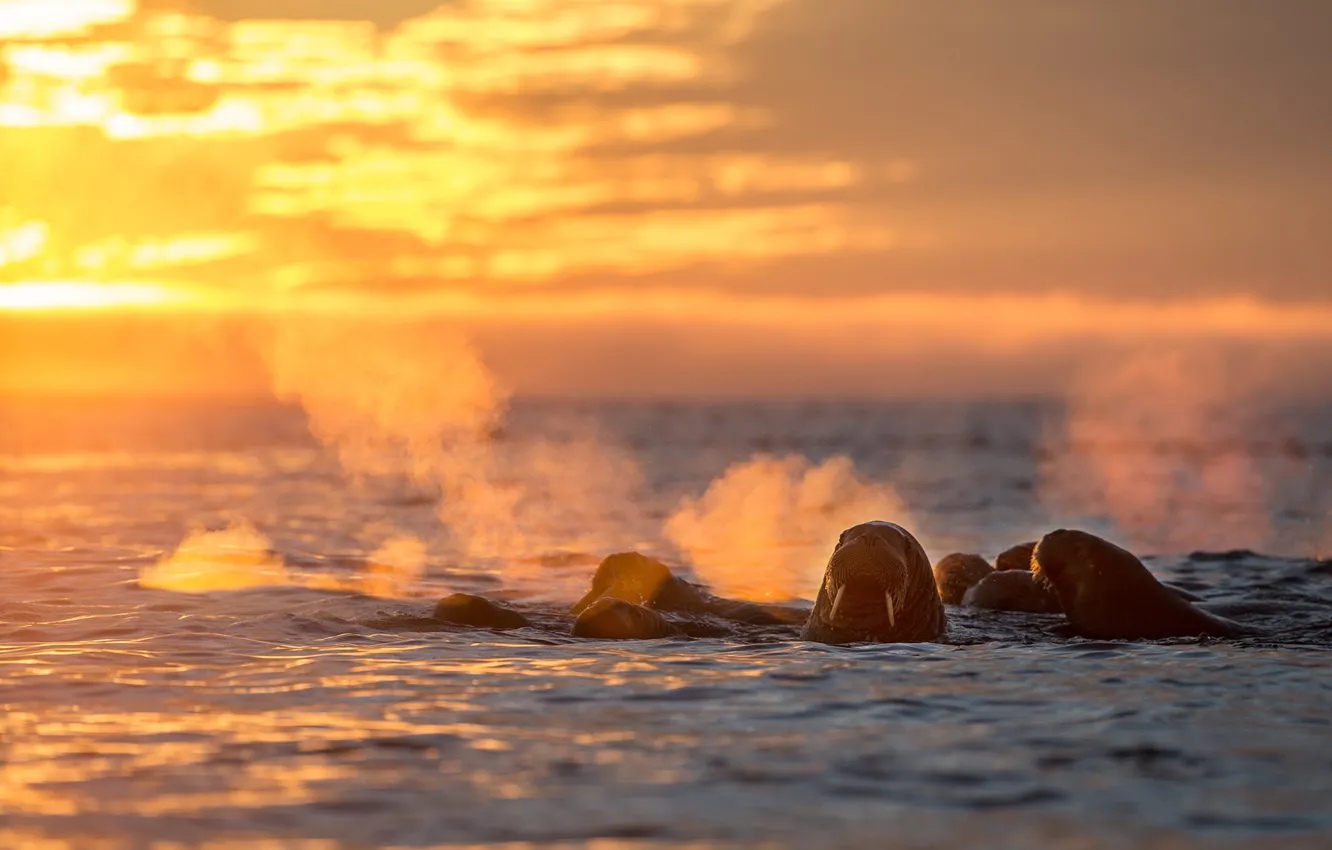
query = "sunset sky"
x=663 y=196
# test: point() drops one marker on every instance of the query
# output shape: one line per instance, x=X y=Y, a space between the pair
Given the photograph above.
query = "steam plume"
x=233 y=558
x=240 y=557
x=414 y=399
x=764 y=529
x=1153 y=445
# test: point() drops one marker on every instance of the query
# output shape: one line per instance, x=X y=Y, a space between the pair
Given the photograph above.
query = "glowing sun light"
x=35 y=18
x=73 y=295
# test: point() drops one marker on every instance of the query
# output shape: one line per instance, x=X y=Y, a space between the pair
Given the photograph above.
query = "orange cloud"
x=605 y=163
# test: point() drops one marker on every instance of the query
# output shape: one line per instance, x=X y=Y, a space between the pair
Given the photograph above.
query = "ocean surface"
x=188 y=655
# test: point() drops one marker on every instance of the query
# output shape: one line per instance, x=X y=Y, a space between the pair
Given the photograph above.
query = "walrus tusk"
x=892 y=615
x=837 y=603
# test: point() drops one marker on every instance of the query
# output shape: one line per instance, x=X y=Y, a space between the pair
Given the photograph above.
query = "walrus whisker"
x=837 y=603
x=891 y=607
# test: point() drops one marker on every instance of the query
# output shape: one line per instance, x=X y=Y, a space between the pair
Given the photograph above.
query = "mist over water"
x=411 y=402
x=1189 y=447
x=762 y=530
x=239 y=557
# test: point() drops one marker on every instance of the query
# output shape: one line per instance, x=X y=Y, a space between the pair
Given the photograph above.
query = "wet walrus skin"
x=645 y=581
x=1015 y=557
x=1108 y=594
x=609 y=618
x=878 y=587
x=957 y=573
x=1013 y=587
x=466 y=609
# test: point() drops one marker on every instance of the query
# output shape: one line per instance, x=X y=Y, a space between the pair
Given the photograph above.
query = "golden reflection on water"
x=76 y=760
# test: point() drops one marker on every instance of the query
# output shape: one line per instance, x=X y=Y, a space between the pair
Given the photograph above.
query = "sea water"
x=141 y=710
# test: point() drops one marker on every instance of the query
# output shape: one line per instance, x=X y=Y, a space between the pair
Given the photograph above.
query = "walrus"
x=1013 y=590
x=468 y=610
x=878 y=587
x=1011 y=586
x=645 y=581
x=616 y=619
x=957 y=573
x=1015 y=557
x=1108 y=594
x=632 y=597
x=641 y=580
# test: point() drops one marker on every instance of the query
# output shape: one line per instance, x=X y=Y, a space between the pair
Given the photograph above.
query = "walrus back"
x=1108 y=593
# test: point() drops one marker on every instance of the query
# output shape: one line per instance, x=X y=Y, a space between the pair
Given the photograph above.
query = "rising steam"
x=1150 y=438
x=764 y=529
x=388 y=397
x=407 y=400
x=395 y=567
x=240 y=557
x=233 y=558
x=413 y=400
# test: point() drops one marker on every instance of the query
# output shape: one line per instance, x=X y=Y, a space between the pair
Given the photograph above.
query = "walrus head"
x=1073 y=563
x=957 y=573
x=878 y=586
x=1016 y=557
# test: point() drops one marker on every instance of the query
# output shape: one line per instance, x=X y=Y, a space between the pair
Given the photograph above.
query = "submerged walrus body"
x=878 y=587
x=1013 y=590
x=615 y=619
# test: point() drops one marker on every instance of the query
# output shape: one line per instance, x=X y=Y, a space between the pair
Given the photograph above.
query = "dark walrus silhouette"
x=1013 y=590
x=1012 y=584
x=1107 y=593
x=957 y=573
x=878 y=587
